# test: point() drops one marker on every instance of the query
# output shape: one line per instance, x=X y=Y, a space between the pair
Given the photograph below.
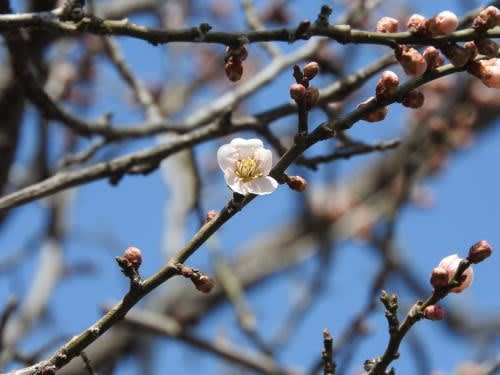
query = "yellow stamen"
x=247 y=169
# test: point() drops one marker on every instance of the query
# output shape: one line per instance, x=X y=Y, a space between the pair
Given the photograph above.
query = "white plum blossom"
x=246 y=165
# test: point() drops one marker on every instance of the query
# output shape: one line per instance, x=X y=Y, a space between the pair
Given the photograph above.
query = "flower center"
x=247 y=169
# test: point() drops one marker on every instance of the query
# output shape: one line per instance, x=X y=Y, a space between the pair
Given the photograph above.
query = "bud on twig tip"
x=311 y=69
x=203 y=283
x=297 y=183
x=133 y=256
x=479 y=252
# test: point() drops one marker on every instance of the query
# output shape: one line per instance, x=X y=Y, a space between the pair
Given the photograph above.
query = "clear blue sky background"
x=467 y=210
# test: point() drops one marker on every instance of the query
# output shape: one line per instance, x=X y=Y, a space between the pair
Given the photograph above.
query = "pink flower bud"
x=442 y=24
x=487 y=47
x=387 y=85
x=133 y=256
x=434 y=312
x=487 y=19
x=479 y=252
x=433 y=58
x=471 y=49
x=243 y=53
x=212 y=214
x=234 y=70
x=311 y=97
x=488 y=71
x=414 y=99
x=297 y=183
x=237 y=53
x=450 y=264
x=387 y=25
x=412 y=61
x=457 y=55
x=377 y=114
x=417 y=25
x=311 y=69
x=439 y=277
x=204 y=283
x=297 y=91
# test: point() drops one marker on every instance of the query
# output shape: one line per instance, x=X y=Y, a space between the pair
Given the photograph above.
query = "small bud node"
x=297 y=183
x=133 y=256
x=479 y=252
x=434 y=312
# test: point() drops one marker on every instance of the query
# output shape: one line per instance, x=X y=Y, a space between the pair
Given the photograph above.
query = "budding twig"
x=397 y=331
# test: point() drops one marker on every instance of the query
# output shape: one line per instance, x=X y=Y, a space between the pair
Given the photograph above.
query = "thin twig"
x=88 y=365
x=165 y=326
x=83 y=156
x=140 y=91
x=255 y=24
x=8 y=310
x=340 y=33
x=399 y=330
x=149 y=159
x=327 y=354
x=348 y=151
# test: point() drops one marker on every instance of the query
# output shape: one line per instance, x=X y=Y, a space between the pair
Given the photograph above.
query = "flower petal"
x=247 y=147
x=262 y=185
x=253 y=142
x=234 y=183
x=450 y=262
x=265 y=159
x=226 y=157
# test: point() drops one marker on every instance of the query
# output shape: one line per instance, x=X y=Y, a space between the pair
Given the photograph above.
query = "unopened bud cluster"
x=445 y=272
x=301 y=91
x=488 y=71
x=488 y=18
x=450 y=265
x=415 y=64
x=234 y=62
x=442 y=23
